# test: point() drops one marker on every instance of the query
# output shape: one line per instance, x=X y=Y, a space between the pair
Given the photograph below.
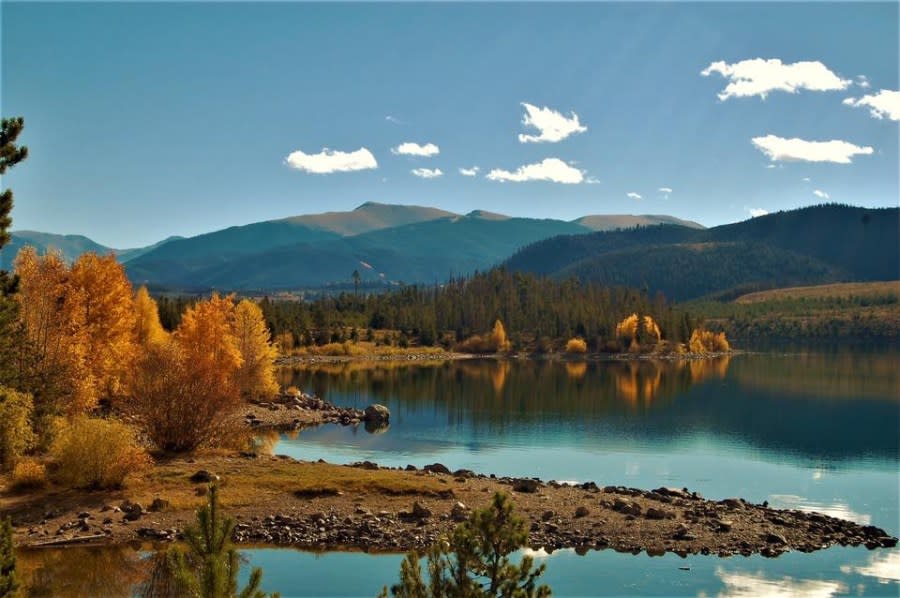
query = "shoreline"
x=279 y=501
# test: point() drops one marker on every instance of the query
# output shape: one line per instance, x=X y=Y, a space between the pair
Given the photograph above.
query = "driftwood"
x=67 y=541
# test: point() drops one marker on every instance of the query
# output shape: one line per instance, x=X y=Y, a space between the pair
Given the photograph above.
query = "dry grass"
x=840 y=290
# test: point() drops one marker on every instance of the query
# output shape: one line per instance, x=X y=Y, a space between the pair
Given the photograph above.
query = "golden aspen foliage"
x=148 y=329
x=651 y=329
x=705 y=341
x=627 y=328
x=51 y=315
x=285 y=342
x=576 y=345
x=186 y=389
x=109 y=323
x=497 y=339
x=256 y=375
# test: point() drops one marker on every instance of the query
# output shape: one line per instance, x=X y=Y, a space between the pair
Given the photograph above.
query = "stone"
x=459 y=512
x=724 y=525
x=437 y=468
x=526 y=485
x=377 y=413
x=582 y=511
x=773 y=538
x=547 y=515
x=204 y=477
x=158 y=505
x=654 y=513
x=419 y=511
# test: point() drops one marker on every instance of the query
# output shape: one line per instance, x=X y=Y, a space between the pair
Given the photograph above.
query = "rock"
x=526 y=485
x=366 y=465
x=84 y=515
x=724 y=525
x=459 y=512
x=654 y=513
x=673 y=492
x=628 y=508
x=773 y=538
x=582 y=511
x=464 y=473
x=733 y=503
x=411 y=467
x=158 y=504
x=547 y=515
x=204 y=477
x=419 y=511
x=377 y=413
x=437 y=468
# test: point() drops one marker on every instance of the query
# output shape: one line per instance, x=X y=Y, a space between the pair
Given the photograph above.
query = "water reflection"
x=756 y=585
x=633 y=401
x=837 y=509
x=80 y=572
x=885 y=567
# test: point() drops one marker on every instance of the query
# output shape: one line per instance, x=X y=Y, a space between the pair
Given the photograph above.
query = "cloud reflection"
x=838 y=509
x=883 y=567
x=756 y=585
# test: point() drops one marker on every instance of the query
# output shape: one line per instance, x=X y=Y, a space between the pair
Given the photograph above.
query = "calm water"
x=802 y=430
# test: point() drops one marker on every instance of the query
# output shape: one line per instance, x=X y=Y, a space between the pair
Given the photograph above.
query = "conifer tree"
x=209 y=567
x=474 y=561
x=256 y=376
x=8 y=583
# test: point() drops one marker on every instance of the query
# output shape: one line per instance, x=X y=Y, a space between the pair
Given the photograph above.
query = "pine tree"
x=210 y=566
x=8 y=583
x=474 y=561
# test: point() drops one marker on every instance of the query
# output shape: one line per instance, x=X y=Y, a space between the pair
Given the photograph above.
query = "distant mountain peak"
x=485 y=215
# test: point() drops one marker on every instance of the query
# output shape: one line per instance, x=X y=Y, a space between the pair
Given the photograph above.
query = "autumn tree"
x=474 y=561
x=148 y=329
x=256 y=375
x=53 y=325
x=185 y=390
x=498 y=339
x=16 y=435
x=108 y=318
x=576 y=345
x=705 y=341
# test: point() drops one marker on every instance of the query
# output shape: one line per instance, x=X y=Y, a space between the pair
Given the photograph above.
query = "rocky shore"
x=366 y=507
x=296 y=410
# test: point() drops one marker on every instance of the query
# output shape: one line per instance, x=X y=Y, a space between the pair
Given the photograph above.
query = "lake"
x=813 y=430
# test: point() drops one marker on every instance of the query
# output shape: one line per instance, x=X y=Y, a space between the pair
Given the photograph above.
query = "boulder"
x=419 y=511
x=204 y=477
x=654 y=513
x=159 y=504
x=582 y=511
x=377 y=413
x=437 y=468
x=526 y=485
x=459 y=512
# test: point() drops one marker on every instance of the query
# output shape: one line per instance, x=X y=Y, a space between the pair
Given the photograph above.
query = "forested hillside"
x=820 y=244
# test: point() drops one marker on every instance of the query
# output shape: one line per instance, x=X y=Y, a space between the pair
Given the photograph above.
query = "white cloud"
x=553 y=126
x=665 y=190
x=591 y=180
x=328 y=161
x=633 y=195
x=754 y=212
x=885 y=103
x=778 y=148
x=414 y=149
x=821 y=194
x=427 y=173
x=550 y=169
x=469 y=171
x=394 y=119
x=759 y=76
x=806 y=179
x=863 y=81
x=770 y=166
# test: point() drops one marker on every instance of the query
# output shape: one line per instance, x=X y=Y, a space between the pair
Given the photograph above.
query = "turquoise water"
x=816 y=431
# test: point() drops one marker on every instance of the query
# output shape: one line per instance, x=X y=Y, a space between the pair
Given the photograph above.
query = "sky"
x=158 y=119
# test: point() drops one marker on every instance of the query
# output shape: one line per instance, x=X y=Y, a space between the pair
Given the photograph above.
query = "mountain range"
x=383 y=242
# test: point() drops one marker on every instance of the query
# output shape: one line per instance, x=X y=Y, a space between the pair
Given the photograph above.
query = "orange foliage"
x=704 y=341
x=148 y=329
x=495 y=342
x=576 y=345
x=109 y=323
x=256 y=376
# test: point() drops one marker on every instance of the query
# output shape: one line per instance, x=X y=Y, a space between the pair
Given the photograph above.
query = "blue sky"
x=146 y=120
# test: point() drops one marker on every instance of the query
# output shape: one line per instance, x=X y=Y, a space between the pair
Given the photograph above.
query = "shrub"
x=494 y=342
x=16 y=435
x=8 y=582
x=576 y=345
x=704 y=341
x=96 y=453
x=28 y=473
